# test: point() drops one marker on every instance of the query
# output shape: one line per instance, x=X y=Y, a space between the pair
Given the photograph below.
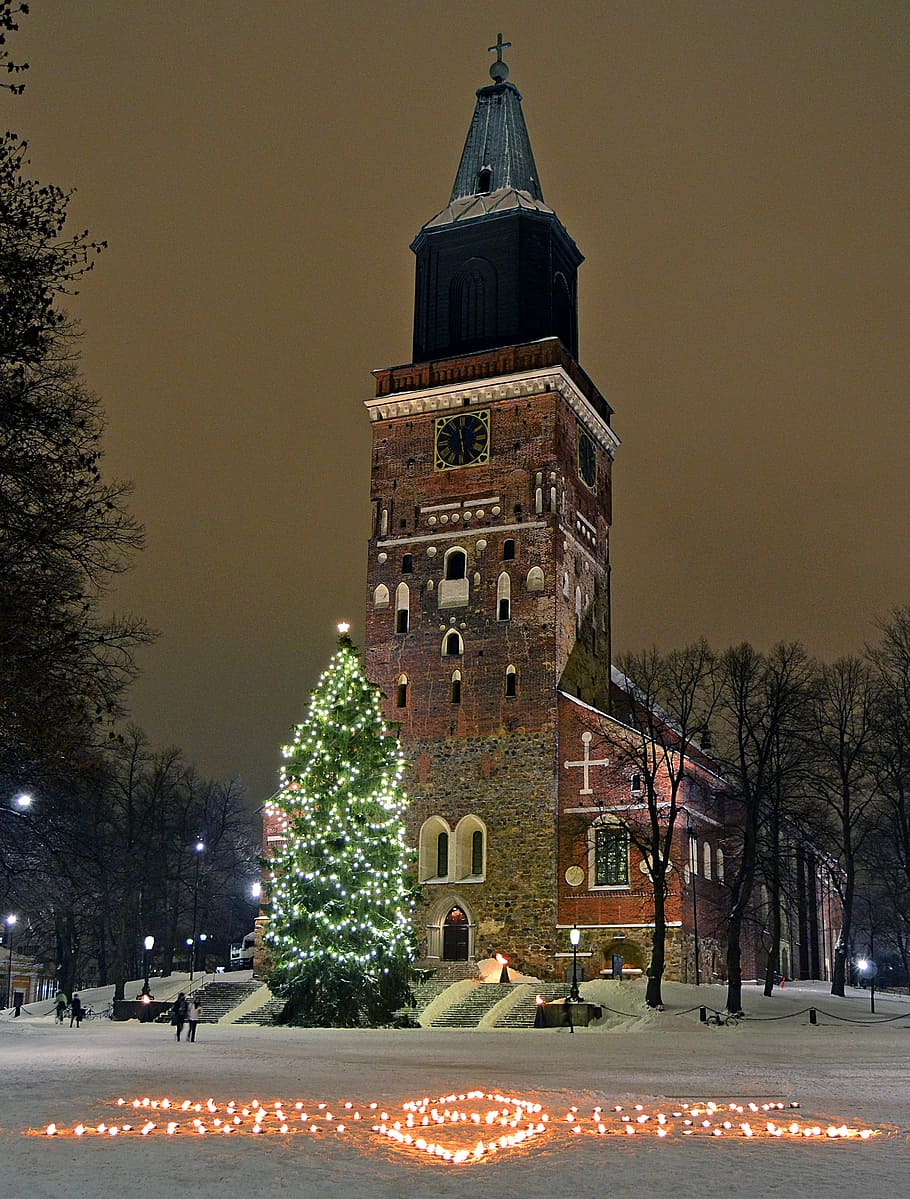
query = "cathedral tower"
x=488 y=572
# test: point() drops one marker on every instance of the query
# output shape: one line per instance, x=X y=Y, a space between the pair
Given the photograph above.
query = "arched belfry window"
x=484 y=180
x=402 y=607
x=472 y=303
x=456 y=563
x=454 y=588
x=452 y=644
x=504 y=597
x=381 y=596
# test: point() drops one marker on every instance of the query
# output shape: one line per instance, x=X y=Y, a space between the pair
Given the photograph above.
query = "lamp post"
x=149 y=944
x=9 y=921
x=693 y=875
x=574 y=937
x=198 y=850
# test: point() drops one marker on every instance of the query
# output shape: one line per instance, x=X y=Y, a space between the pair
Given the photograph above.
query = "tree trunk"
x=842 y=948
x=658 y=952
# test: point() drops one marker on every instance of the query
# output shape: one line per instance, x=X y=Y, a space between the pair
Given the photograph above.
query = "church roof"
x=497 y=142
x=503 y=199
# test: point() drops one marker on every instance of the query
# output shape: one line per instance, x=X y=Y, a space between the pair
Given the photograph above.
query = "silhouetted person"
x=77 y=1011
x=194 y=1015
x=60 y=1006
x=179 y=1013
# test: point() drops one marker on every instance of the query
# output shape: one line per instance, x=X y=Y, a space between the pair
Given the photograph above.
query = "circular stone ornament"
x=575 y=876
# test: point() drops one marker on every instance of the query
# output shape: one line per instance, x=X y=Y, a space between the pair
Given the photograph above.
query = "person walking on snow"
x=194 y=1015
x=179 y=1013
x=77 y=1012
x=60 y=1006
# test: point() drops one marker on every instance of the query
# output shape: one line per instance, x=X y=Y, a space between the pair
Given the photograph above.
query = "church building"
x=488 y=606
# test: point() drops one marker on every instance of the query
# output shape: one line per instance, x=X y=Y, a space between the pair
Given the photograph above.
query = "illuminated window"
x=611 y=856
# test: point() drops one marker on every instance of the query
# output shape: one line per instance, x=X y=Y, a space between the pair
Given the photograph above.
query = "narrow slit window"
x=455 y=694
x=511 y=683
x=477 y=852
x=442 y=855
x=401 y=691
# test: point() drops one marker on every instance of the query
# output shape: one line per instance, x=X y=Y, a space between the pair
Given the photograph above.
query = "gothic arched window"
x=504 y=597
x=452 y=644
x=402 y=608
x=472 y=303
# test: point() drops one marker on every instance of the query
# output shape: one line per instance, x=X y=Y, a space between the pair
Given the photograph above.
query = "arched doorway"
x=455 y=936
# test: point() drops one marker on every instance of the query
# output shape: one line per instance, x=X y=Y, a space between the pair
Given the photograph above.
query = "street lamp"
x=23 y=801
x=198 y=849
x=574 y=937
x=693 y=875
x=9 y=921
x=149 y=944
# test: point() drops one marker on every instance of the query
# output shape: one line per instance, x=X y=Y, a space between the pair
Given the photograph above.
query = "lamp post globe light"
x=23 y=801
x=149 y=944
x=9 y=921
x=574 y=937
x=198 y=850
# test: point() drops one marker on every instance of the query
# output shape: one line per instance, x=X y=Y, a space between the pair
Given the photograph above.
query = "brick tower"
x=488 y=573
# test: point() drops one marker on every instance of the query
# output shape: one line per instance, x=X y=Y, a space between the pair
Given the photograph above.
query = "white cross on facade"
x=586 y=763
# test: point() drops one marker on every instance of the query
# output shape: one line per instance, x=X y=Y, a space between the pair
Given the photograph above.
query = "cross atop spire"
x=499 y=72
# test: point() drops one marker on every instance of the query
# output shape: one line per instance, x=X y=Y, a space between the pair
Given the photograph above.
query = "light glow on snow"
x=458 y=1129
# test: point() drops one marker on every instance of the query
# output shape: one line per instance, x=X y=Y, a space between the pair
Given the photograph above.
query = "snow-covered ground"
x=839 y=1073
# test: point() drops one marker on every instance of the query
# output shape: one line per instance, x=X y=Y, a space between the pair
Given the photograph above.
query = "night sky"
x=737 y=176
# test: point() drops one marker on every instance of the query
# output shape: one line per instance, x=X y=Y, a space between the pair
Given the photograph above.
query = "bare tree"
x=844 y=701
x=666 y=706
x=761 y=707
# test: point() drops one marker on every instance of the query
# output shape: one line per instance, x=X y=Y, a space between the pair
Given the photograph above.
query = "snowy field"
x=841 y=1075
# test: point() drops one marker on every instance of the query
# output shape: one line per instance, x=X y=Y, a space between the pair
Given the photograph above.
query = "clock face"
x=587 y=459
x=462 y=440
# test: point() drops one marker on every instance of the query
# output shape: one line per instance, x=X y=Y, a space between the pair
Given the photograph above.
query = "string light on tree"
x=339 y=927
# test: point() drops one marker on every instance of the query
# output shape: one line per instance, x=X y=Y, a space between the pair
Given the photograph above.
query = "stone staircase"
x=523 y=1013
x=220 y=998
x=265 y=1015
x=468 y=1012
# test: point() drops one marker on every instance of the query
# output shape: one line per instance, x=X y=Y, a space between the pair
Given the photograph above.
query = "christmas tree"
x=340 y=901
